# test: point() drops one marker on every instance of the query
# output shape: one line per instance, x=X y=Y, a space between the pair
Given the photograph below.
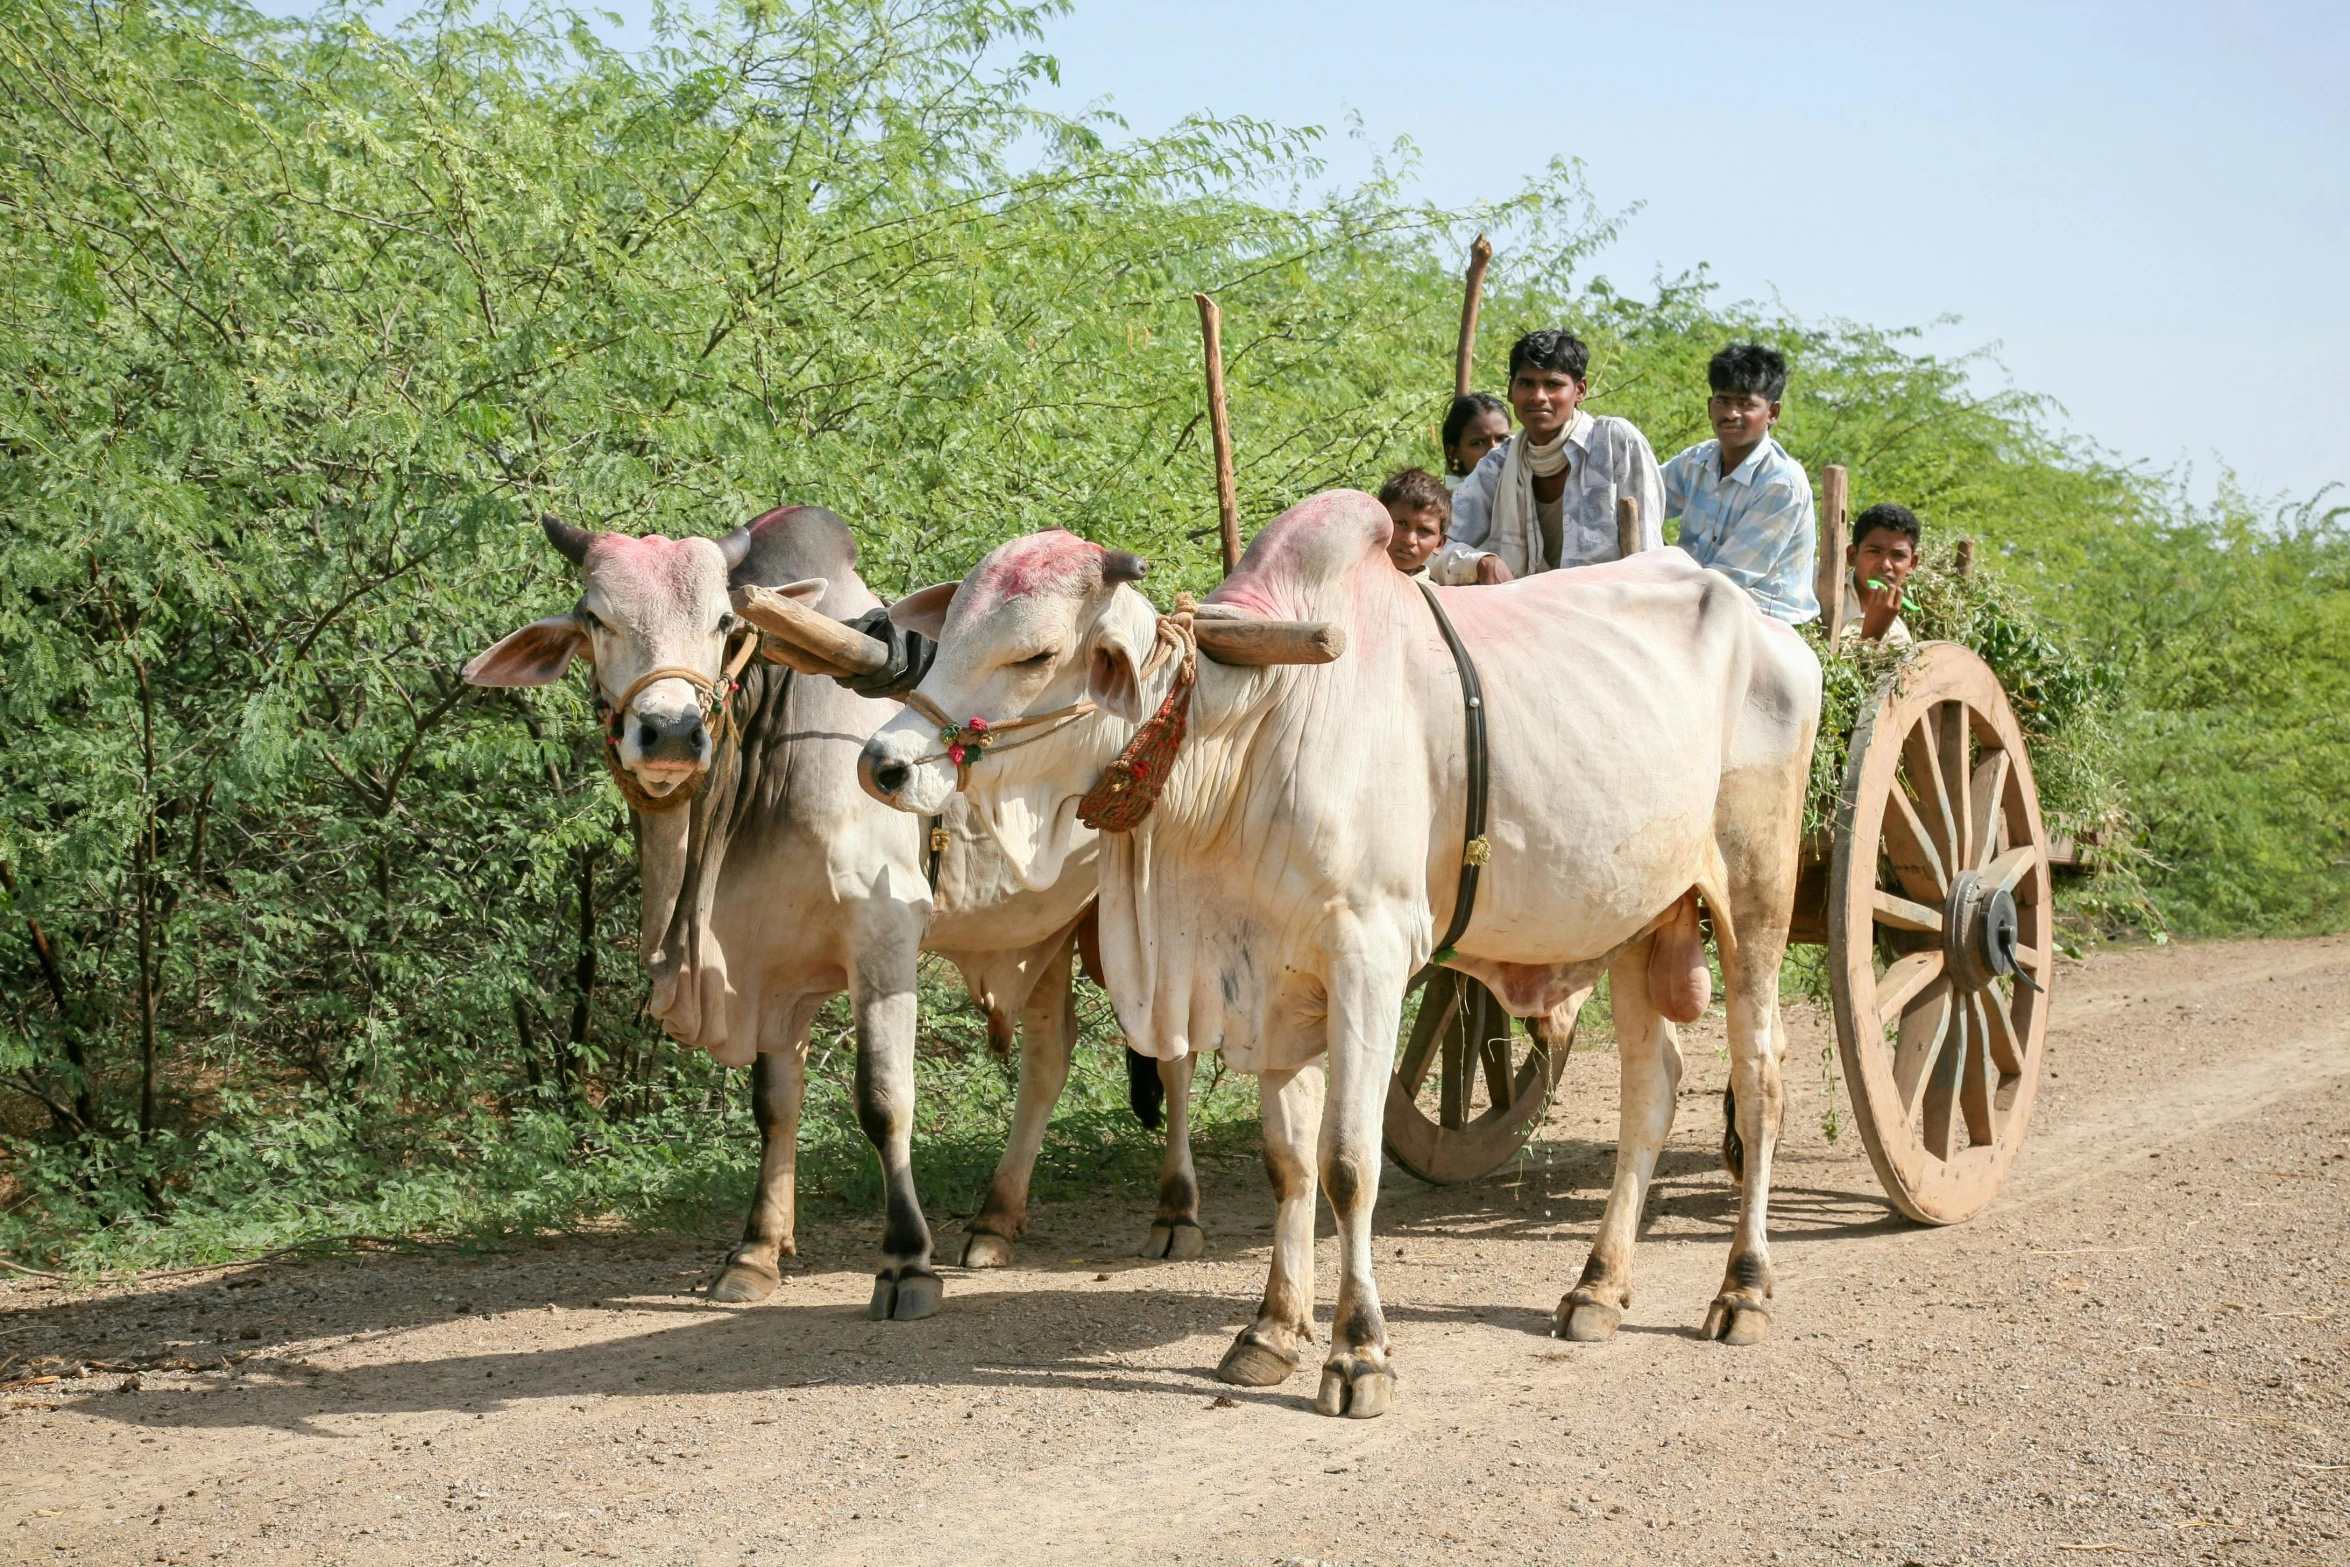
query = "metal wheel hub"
x=1980 y=928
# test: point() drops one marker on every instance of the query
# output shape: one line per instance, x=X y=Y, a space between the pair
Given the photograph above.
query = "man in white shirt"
x=1546 y=497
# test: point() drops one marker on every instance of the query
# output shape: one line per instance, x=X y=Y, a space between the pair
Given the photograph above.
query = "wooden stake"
x=1966 y=556
x=1828 y=571
x=1211 y=330
x=1479 y=254
x=1627 y=526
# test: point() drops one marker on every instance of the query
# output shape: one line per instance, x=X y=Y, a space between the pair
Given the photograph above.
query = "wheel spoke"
x=1498 y=1078
x=1903 y=981
x=1902 y=914
x=1430 y=1027
x=1987 y=798
x=1951 y=744
x=1452 y=1103
x=1941 y=1105
x=1974 y=1081
x=1922 y=1029
x=2007 y=1052
x=1921 y=758
x=2010 y=868
x=1915 y=863
x=2032 y=958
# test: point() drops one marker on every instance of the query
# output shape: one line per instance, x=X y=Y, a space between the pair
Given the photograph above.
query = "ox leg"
x=1738 y=1314
x=754 y=1267
x=1048 y=1030
x=1175 y=1232
x=1266 y=1352
x=1649 y=1052
x=1357 y=1380
x=907 y=1287
x=1758 y=827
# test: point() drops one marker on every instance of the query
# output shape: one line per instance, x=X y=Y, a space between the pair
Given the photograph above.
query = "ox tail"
x=1733 y=1147
x=1144 y=1092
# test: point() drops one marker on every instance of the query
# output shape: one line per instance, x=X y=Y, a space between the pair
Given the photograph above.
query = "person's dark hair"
x=1552 y=348
x=1416 y=489
x=1893 y=518
x=1748 y=367
x=1468 y=406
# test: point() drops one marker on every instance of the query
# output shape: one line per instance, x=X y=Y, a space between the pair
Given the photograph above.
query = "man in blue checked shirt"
x=1744 y=504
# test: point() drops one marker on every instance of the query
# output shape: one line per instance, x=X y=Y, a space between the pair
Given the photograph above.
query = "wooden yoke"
x=1828 y=570
x=816 y=644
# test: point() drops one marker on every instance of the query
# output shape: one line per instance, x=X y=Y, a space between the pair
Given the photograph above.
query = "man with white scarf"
x=1546 y=498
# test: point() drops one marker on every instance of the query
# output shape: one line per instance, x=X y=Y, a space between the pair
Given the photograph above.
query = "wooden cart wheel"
x=1940 y=934
x=1468 y=1086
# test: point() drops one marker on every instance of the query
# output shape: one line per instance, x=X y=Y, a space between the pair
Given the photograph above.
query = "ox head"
x=649 y=605
x=1043 y=623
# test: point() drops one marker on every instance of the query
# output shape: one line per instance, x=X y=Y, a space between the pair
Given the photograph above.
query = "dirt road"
x=2137 y=1353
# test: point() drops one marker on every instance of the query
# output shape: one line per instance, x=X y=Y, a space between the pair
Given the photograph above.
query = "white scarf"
x=1516 y=533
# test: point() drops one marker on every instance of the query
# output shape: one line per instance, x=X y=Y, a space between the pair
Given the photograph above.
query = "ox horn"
x=1123 y=566
x=735 y=547
x=573 y=542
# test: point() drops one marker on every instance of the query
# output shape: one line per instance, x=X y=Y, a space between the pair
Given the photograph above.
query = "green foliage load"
x=303 y=324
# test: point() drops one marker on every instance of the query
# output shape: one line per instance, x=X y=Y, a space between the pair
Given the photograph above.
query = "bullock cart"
x=1930 y=891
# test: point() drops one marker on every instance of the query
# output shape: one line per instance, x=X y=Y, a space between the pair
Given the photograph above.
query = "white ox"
x=1650 y=736
x=781 y=884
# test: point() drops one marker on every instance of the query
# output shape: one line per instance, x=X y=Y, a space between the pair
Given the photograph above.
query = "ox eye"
x=1034 y=660
x=587 y=618
x=728 y=625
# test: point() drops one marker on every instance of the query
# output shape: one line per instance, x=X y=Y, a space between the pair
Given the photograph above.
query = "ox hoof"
x=1584 y=1320
x=1176 y=1241
x=905 y=1294
x=983 y=1250
x=1737 y=1321
x=1254 y=1362
x=1355 y=1388
x=743 y=1282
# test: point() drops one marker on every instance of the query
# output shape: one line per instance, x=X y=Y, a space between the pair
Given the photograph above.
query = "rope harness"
x=1134 y=780
x=715 y=700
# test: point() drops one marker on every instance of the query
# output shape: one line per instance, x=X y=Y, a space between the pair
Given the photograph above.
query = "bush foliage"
x=303 y=323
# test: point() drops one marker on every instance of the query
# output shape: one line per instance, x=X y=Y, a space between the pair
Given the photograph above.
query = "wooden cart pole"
x=1828 y=572
x=1211 y=331
x=1627 y=526
x=1479 y=254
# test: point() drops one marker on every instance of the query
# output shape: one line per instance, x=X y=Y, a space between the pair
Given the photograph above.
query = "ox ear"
x=808 y=590
x=924 y=609
x=1113 y=676
x=536 y=655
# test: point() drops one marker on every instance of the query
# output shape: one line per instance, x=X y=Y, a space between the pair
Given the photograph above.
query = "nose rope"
x=965 y=743
x=714 y=698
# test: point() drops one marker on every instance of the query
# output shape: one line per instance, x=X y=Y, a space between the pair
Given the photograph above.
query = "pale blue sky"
x=2145 y=207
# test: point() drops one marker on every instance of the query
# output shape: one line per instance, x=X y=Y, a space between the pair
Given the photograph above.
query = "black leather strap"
x=1473 y=854
x=934 y=844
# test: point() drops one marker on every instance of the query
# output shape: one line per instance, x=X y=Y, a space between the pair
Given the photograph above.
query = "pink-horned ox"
x=1650 y=736
x=772 y=883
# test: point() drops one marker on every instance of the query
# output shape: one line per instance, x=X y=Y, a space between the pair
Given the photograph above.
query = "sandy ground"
x=2138 y=1351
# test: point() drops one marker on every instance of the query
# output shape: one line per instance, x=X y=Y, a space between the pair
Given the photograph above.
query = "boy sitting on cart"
x=1546 y=497
x=1883 y=552
x=1745 y=505
x=1419 y=508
